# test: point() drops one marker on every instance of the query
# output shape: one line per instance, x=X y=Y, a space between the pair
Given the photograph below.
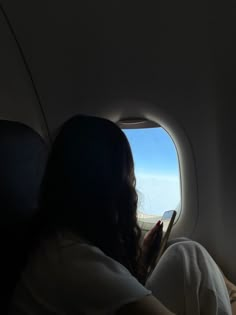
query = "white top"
x=68 y=277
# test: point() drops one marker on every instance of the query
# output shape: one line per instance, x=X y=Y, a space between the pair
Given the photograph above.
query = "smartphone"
x=168 y=220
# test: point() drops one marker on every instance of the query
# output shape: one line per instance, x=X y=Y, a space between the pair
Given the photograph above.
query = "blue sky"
x=156 y=169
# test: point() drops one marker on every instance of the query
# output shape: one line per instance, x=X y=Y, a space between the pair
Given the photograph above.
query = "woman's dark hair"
x=89 y=188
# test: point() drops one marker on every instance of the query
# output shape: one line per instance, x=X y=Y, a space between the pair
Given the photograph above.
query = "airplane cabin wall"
x=17 y=98
x=226 y=229
x=176 y=77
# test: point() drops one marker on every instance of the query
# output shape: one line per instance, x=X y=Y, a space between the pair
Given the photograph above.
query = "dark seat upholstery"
x=23 y=156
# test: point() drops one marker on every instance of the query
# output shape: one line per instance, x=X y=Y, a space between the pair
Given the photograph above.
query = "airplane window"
x=157 y=173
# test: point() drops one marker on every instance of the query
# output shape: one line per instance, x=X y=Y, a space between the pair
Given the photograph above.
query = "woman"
x=85 y=255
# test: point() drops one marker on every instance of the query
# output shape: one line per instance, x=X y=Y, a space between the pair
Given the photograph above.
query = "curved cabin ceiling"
x=84 y=54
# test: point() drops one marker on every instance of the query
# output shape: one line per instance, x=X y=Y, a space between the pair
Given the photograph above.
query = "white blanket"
x=188 y=281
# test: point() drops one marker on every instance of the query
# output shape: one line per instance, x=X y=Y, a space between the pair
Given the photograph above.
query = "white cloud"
x=157 y=193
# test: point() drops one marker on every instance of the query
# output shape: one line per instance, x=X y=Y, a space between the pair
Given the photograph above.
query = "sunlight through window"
x=157 y=172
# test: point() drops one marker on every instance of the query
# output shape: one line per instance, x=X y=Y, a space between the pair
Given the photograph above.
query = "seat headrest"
x=23 y=156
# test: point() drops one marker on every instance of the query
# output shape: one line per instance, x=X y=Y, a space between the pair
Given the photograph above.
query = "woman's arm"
x=149 y=305
x=232 y=294
x=233 y=306
x=231 y=287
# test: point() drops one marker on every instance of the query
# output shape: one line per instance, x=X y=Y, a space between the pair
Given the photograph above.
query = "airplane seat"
x=23 y=156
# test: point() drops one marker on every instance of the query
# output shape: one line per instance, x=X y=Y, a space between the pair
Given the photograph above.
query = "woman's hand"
x=150 y=249
x=231 y=287
x=151 y=243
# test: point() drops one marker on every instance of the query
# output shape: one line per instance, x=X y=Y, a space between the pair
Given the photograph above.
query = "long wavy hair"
x=89 y=188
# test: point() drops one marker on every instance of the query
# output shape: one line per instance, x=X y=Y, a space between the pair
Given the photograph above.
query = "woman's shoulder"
x=79 y=253
x=71 y=273
x=82 y=257
x=68 y=254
